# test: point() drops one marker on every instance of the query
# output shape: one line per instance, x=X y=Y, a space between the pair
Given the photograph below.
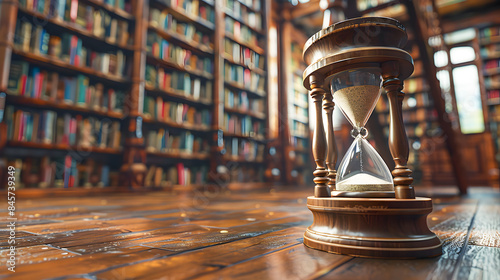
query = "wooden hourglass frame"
x=367 y=224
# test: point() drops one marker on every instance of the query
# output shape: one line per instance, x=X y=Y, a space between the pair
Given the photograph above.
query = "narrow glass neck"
x=359 y=132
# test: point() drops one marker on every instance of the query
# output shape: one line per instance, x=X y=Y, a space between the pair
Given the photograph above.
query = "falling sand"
x=364 y=182
x=357 y=102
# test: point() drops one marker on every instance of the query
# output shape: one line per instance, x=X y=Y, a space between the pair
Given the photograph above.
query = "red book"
x=22 y=122
x=24 y=79
x=203 y=12
x=180 y=173
x=72 y=130
x=73 y=50
x=39 y=84
x=247 y=77
x=236 y=30
x=247 y=57
x=88 y=96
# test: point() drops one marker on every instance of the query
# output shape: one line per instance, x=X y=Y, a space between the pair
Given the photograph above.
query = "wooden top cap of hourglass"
x=355 y=43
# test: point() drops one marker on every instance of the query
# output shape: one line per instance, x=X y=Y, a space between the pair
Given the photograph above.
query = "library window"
x=460 y=36
x=462 y=54
x=440 y=58
x=468 y=97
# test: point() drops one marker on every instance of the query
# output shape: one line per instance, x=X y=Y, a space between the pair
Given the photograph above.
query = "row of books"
x=47 y=127
x=488 y=32
x=241 y=33
x=299 y=143
x=300 y=98
x=243 y=55
x=246 y=174
x=239 y=100
x=164 y=110
x=161 y=48
x=244 y=77
x=236 y=5
x=415 y=85
x=97 y=21
x=249 y=18
x=413 y=130
x=68 y=48
x=163 y=20
x=46 y=85
x=490 y=51
x=300 y=113
x=494 y=113
x=60 y=172
x=64 y=8
x=417 y=100
x=165 y=141
x=158 y=176
x=492 y=82
x=298 y=159
x=244 y=126
x=493 y=96
x=241 y=149
x=189 y=86
x=414 y=116
x=193 y=8
x=491 y=64
x=299 y=129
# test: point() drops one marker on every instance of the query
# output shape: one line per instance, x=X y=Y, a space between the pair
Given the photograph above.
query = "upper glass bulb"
x=356 y=92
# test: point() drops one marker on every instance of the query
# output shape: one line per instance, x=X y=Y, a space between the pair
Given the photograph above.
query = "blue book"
x=105 y=175
x=67 y=170
x=41 y=6
x=44 y=42
x=35 y=71
x=67 y=90
x=61 y=8
x=82 y=84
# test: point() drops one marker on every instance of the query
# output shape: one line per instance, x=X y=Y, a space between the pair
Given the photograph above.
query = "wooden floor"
x=229 y=235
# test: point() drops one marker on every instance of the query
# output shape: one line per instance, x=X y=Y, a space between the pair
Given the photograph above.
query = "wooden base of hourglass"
x=372 y=227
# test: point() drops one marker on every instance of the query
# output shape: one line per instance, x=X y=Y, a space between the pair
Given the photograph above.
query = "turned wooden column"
x=398 y=141
x=331 y=157
x=319 y=142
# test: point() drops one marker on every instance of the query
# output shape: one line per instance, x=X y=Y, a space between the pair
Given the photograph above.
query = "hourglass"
x=362 y=169
x=362 y=208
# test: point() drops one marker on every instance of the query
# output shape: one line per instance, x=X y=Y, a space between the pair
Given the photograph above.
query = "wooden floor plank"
x=38 y=253
x=232 y=235
x=486 y=228
x=211 y=259
x=479 y=262
x=296 y=262
x=83 y=265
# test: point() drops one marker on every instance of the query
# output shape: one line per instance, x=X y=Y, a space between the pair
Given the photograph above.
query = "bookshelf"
x=489 y=42
x=66 y=78
x=242 y=118
x=158 y=93
x=297 y=163
x=178 y=102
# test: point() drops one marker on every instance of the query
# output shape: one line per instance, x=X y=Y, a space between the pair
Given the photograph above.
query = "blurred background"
x=109 y=95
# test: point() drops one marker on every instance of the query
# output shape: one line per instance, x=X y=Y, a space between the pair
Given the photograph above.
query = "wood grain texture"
x=234 y=235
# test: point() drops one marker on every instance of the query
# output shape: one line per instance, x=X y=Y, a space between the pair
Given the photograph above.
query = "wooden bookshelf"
x=172 y=54
x=60 y=77
x=295 y=110
x=489 y=43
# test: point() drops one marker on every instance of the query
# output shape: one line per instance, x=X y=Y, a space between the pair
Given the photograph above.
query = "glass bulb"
x=356 y=93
